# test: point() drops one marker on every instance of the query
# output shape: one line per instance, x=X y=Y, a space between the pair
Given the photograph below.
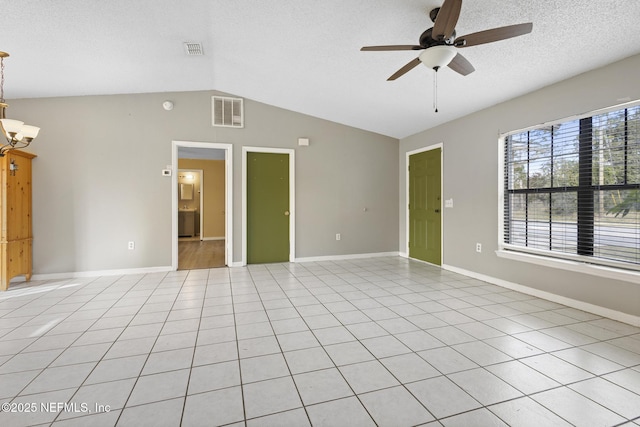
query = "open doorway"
x=201 y=189
x=200 y=246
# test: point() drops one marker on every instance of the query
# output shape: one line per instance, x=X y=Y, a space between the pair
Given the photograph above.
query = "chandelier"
x=17 y=134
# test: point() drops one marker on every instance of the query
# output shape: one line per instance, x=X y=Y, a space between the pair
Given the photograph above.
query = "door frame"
x=292 y=197
x=228 y=197
x=407 y=178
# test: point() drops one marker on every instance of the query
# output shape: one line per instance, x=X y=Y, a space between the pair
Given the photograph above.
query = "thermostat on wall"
x=166 y=172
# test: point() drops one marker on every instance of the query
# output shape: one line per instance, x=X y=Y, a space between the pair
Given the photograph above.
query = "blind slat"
x=574 y=187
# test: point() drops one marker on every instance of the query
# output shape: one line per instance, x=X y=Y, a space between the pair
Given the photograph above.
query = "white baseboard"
x=213 y=238
x=569 y=302
x=405 y=255
x=81 y=274
x=147 y=270
x=345 y=257
x=333 y=258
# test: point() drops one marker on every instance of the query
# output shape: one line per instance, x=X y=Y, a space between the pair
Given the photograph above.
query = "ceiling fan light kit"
x=440 y=43
x=438 y=56
x=17 y=134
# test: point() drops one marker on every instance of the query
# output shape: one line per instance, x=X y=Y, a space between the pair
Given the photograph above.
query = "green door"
x=267 y=207
x=424 y=206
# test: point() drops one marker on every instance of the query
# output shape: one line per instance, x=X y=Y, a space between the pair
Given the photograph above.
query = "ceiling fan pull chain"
x=435 y=88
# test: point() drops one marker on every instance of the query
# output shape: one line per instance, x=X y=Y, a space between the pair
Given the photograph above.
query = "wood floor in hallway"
x=196 y=254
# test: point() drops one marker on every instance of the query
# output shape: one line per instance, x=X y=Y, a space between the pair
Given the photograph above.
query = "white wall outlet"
x=448 y=203
x=131 y=246
x=338 y=237
x=478 y=247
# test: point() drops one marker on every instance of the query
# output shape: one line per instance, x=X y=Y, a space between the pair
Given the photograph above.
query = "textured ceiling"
x=303 y=55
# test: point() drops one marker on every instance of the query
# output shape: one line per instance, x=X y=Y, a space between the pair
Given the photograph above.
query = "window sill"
x=578 y=267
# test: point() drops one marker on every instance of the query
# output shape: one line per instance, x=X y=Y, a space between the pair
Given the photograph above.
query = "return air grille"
x=228 y=112
x=193 y=49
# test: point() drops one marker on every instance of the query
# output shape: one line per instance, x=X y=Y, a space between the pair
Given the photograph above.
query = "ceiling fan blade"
x=493 y=35
x=410 y=66
x=459 y=64
x=393 y=47
x=447 y=19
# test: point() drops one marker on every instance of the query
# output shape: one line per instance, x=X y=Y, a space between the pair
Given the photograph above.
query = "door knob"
x=286 y=213
x=437 y=210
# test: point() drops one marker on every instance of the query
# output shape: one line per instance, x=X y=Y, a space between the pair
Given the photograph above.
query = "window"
x=572 y=189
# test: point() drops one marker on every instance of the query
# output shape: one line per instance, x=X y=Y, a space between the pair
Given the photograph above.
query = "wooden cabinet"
x=186 y=223
x=16 y=237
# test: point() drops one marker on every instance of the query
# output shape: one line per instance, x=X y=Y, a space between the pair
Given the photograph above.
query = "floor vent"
x=193 y=49
x=228 y=112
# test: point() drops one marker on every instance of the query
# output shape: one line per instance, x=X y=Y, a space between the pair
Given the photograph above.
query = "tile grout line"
x=71 y=344
x=397 y=280
x=111 y=346
x=195 y=345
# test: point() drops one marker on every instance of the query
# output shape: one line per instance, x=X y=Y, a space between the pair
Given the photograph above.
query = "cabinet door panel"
x=18 y=198
x=15 y=211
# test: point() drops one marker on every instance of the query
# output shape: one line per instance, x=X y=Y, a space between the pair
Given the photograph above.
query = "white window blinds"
x=572 y=189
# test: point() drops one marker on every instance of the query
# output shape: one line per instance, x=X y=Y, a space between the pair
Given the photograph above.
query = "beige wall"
x=98 y=183
x=470 y=168
x=213 y=197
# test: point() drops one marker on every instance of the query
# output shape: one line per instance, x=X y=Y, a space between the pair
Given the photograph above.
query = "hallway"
x=196 y=254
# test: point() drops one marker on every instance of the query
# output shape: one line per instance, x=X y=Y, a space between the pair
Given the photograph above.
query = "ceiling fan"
x=440 y=42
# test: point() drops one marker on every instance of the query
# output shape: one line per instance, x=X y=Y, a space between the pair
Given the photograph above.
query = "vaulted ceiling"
x=304 y=55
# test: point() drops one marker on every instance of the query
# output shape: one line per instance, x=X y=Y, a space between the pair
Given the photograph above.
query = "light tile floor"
x=386 y=342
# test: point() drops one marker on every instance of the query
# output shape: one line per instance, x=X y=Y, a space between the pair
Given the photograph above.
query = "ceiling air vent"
x=193 y=49
x=227 y=112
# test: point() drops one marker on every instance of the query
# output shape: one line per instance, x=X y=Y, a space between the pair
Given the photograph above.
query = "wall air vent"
x=227 y=112
x=193 y=49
